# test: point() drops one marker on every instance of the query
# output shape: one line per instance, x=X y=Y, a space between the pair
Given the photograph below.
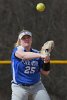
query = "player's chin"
x=27 y=45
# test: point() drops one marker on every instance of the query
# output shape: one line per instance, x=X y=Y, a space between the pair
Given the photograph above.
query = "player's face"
x=26 y=41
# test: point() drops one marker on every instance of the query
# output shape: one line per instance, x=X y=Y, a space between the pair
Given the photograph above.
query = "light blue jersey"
x=25 y=71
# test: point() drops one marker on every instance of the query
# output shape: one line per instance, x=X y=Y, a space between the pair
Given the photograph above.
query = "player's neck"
x=27 y=49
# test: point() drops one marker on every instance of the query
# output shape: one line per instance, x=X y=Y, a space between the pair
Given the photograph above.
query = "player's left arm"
x=45 y=69
x=46 y=49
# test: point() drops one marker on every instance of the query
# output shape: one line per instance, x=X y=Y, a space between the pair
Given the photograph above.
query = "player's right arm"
x=28 y=55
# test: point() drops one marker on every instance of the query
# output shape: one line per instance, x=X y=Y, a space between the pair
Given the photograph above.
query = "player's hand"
x=47 y=47
x=46 y=58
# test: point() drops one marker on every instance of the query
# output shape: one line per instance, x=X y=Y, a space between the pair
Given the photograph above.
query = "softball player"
x=27 y=64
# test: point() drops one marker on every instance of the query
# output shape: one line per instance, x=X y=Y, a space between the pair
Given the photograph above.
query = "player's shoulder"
x=35 y=50
x=20 y=47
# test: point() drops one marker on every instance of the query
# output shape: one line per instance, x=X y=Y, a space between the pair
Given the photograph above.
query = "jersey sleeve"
x=14 y=50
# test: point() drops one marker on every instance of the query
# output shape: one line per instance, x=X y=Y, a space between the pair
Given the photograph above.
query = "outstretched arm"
x=28 y=55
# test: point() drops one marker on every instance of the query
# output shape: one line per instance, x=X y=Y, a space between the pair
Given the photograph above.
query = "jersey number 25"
x=29 y=70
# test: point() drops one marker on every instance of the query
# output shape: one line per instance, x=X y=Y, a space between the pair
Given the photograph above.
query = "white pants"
x=37 y=91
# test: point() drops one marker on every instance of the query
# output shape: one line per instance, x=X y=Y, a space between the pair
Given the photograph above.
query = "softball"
x=40 y=7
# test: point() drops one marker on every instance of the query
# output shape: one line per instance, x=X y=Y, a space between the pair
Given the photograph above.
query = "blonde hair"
x=18 y=40
x=17 y=43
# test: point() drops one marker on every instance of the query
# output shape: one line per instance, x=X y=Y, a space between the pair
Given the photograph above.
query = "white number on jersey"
x=29 y=70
